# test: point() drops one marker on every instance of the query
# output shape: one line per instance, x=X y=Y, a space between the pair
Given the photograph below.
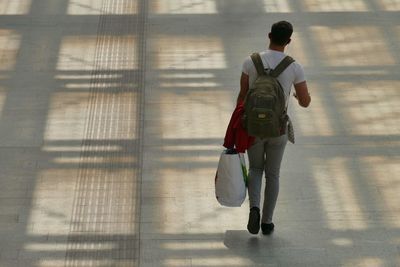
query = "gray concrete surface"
x=112 y=115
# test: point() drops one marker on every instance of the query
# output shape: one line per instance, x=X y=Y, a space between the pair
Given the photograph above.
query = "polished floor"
x=113 y=112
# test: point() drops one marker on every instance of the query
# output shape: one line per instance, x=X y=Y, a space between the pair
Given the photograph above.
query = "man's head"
x=280 y=33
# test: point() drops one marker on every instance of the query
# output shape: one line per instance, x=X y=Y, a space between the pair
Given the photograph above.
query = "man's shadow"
x=260 y=249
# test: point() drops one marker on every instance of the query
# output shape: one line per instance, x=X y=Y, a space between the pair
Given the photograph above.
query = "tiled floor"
x=112 y=115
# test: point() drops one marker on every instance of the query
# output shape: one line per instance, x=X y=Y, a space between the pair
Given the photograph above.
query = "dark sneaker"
x=254 y=221
x=267 y=228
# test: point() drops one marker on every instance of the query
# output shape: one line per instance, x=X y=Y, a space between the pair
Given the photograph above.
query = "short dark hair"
x=281 y=32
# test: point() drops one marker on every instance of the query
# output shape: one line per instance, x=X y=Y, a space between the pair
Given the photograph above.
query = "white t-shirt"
x=293 y=74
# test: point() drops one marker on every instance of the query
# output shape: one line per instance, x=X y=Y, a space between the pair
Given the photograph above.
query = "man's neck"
x=277 y=48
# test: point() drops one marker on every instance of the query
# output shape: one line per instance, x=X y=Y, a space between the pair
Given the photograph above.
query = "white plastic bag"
x=230 y=179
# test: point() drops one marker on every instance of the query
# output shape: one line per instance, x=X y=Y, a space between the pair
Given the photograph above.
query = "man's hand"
x=302 y=95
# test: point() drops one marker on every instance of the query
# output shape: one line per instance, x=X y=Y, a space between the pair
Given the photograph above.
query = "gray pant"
x=265 y=155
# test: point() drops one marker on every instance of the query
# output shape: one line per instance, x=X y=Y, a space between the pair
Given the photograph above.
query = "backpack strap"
x=255 y=57
x=282 y=66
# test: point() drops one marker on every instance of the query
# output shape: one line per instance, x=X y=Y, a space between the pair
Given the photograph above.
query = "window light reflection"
x=183 y=6
x=352 y=46
x=63 y=246
x=50 y=217
x=53 y=148
x=95 y=160
x=390 y=5
x=188 y=84
x=67 y=116
x=297 y=49
x=364 y=261
x=222 y=261
x=385 y=174
x=371 y=107
x=195 y=110
x=337 y=195
x=95 y=7
x=3 y=96
x=193 y=201
x=193 y=245
x=190 y=53
x=315 y=123
x=277 y=6
x=14 y=7
x=335 y=5
x=79 y=53
x=188 y=80
x=9 y=46
x=68 y=113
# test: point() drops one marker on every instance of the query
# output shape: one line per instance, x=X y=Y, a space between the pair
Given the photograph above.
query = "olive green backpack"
x=265 y=106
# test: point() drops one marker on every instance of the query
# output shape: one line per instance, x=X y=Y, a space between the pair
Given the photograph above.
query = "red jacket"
x=236 y=136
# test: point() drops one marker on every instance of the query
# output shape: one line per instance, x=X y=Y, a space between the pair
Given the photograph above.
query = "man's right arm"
x=244 y=87
x=302 y=94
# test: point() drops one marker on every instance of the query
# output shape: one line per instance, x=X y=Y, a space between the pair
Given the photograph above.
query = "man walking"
x=266 y=154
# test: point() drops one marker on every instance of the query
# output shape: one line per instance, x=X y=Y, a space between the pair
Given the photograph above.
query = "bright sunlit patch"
x=14 y=7
x=358 y=72
x=222 y=261
x=176 y=262
x=364 y=261
x=115 y=116
x=51 y=204
x=297 y=49
x=183 y=6
x=199 y=213
x=201 y=115
x=49 y=148
x=189 y=159
x=188 y=84
x=352 y=46
x=191 y=147
x=86 y=77
x=195 y=245
x=343 y=242
x=95 y=7
x=67 y=116
x=187 y=76
x=88 y=85
x=335 y=5
x=390 y=5
x=384 y=172
x=79 y=53
x=3 y=97
x=314 y=123
x=190 y=53
x=9 y=46
x=63 y=246
x=370 y=107
x=339 y=199
x=94 y=159
x=276 y=6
